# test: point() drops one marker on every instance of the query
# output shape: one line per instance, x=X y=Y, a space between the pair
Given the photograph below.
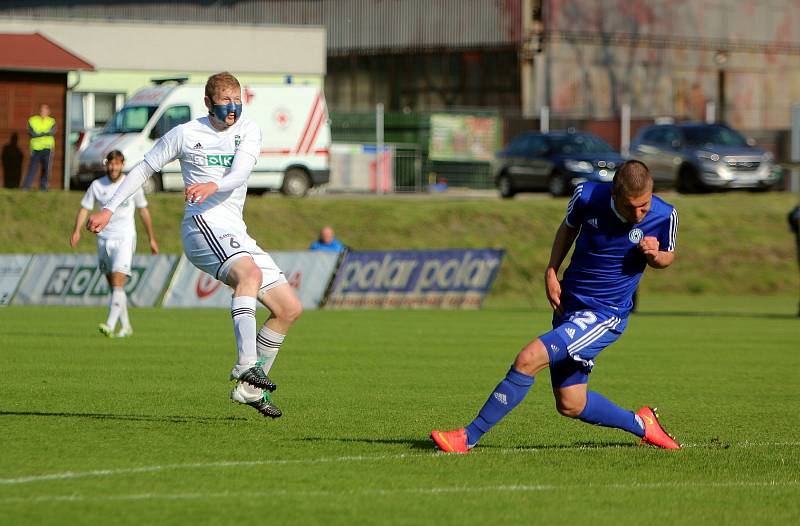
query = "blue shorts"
x=576 y=339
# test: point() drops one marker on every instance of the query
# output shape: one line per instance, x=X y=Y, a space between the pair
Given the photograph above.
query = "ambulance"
x=294 y=126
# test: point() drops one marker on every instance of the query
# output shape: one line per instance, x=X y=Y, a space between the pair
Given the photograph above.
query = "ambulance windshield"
x=130 y=119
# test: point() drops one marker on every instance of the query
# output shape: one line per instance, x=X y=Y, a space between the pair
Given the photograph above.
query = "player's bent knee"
x=569 y=409
x=294 y=311
x=570 y=402
x=532 y=358
x=254 y=276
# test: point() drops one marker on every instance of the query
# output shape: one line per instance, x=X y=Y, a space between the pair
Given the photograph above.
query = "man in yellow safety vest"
x=42 y=129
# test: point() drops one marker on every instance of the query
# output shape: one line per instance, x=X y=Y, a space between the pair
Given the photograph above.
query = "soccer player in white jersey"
x=117 y=242
x=217 y=153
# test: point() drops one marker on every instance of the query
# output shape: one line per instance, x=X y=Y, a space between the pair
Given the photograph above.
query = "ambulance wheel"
x=295 y=183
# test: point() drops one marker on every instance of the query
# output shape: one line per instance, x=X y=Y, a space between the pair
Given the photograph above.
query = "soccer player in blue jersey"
x=618 y=230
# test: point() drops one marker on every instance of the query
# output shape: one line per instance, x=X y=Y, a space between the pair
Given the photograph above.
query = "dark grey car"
x=555 y=161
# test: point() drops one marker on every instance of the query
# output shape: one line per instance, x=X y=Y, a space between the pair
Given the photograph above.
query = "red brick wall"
x=20 y=96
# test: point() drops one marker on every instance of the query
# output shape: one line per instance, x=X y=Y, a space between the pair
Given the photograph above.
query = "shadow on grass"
x=130 y=418
x=694 y=314
x=426 y=444
x=412 y=443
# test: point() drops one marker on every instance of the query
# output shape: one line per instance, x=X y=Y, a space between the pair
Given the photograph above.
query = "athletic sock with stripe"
x=243 y=312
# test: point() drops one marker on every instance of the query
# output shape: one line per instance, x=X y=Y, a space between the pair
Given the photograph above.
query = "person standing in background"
x=42 y=129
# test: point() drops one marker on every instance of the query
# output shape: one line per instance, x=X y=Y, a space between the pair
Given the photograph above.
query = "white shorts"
x=115 y=254
x=213 y=248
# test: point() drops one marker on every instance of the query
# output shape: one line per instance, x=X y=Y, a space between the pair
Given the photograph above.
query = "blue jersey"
x=607 y=264
x=334 y=246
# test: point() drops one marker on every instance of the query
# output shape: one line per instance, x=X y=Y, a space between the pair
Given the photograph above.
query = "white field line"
x=524 y=488
x=66 y=475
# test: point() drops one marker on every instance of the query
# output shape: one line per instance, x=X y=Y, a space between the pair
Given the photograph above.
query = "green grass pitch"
x=141 y=431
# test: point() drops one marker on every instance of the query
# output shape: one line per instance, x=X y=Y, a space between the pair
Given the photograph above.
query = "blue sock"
x=600 y=411
x=505 y=397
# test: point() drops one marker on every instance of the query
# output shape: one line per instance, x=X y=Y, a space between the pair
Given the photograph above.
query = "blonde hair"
x=632 y=179
x=220 y=81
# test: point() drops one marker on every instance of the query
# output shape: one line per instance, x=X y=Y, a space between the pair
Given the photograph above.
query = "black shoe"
x=266 y=407
x=255 y=376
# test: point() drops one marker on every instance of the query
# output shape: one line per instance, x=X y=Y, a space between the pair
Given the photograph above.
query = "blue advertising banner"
x=448 y=279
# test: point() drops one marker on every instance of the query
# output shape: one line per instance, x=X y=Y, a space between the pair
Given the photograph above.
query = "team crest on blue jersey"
x=635 y=235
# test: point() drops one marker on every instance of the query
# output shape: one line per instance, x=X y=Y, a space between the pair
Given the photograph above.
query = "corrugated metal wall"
x=352 y=25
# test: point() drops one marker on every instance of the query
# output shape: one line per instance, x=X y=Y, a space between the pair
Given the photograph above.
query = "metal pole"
x=794 y=181
x=379 y=148
x=67 y=145
x=544 y=119
x=711 y=112
x=625 y=129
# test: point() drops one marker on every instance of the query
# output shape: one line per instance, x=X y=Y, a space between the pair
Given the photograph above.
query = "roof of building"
x=34 y=52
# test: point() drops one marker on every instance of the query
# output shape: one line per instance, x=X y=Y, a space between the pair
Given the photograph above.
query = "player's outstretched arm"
x=80 y=220
x=565 y=237
x=655 y=258
x=144 y=213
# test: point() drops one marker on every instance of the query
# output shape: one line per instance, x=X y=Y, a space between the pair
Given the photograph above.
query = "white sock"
x=115 y=306
x=243 y=312
x=268 y=343
x=123 y=313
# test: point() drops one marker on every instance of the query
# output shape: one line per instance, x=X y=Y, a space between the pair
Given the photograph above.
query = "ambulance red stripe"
x=314 y=106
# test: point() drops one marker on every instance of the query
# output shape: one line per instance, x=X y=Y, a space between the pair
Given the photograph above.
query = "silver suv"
x=696 y=157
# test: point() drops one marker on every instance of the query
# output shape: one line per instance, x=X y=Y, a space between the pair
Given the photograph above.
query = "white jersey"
x=122 y=223
x=206 y=155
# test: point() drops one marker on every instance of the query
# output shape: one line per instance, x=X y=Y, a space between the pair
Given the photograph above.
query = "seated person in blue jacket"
x=327 y=241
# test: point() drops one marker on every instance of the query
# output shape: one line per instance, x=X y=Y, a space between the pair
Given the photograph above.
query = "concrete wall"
x=662 y=58
x=189 y=48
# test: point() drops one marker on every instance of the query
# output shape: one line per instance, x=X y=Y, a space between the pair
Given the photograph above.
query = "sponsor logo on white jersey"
x=501 y=397
x=635 y=235
x=570 y=332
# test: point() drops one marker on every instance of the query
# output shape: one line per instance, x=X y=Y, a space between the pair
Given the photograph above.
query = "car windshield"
x=718 y=135
x=572 y=144
x=130 y=119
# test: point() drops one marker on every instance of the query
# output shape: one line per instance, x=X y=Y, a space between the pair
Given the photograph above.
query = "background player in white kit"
x=117 y=242
x=217 y=154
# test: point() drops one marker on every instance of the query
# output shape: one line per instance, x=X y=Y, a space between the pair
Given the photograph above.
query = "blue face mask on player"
x=221 y=111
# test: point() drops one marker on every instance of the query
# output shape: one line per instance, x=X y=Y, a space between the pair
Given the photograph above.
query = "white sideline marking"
x=396 y=491
x=323 y=460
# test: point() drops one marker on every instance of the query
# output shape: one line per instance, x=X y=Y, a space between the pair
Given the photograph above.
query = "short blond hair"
x=220 y=81
x=632 y=179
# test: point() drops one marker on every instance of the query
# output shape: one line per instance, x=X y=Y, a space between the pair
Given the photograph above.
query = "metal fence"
x=408 y=163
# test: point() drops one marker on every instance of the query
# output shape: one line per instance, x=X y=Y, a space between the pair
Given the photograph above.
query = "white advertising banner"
x=12 y=267
x=308 y=272
x=74 y=279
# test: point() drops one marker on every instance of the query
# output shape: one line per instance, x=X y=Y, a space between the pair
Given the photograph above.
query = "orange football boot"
x=654 y=434
x=451 y=441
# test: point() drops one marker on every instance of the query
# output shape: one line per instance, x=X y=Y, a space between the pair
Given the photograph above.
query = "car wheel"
x=557 y=185
x=689 y=180
x=505 y=187
x=153 y=184
x=295 y=183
